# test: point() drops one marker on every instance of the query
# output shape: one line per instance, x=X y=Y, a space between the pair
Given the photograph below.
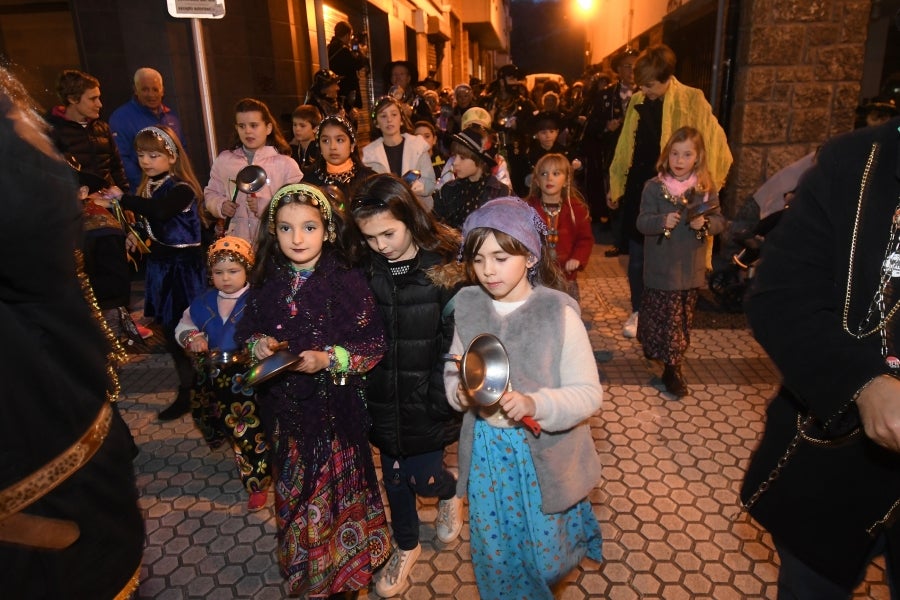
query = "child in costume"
x=399 y=244
x=565 y=214
x=338 y=164
x=331 y=526
x=530 y=518
x=675 y=250
x=222 y=408
x=168 y=200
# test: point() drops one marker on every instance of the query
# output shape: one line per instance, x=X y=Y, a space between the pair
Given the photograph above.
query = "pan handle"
x=527 y=421
x=532 y=426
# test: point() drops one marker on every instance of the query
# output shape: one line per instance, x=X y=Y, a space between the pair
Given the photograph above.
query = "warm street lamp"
x=585 y=9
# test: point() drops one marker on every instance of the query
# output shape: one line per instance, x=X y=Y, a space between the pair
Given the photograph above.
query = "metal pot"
x=269 y=367
x=215 y=360
x=249 y=180
x=484 y=373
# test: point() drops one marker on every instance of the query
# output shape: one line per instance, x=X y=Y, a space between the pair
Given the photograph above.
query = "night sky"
x=547 y=38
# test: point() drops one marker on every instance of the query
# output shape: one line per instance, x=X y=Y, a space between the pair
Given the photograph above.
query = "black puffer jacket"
x=410 y=413
x=92 y=146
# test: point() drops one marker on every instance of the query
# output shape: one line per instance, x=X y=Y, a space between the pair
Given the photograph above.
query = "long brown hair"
x=385 y=192
x=276 y=138
x=148 y=141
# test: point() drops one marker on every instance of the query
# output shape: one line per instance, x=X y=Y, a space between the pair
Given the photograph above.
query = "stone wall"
x=799 y=67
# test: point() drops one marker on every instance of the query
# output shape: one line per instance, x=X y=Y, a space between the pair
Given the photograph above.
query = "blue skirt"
x=517 y=550
x=172 y=282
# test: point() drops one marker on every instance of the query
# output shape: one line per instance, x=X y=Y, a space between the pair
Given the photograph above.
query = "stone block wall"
x=799 y=67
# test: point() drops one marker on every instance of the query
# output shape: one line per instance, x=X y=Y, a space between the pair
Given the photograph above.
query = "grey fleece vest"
x=566 y=462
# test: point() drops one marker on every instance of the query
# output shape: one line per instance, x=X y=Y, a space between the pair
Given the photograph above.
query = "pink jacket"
x=280 y=168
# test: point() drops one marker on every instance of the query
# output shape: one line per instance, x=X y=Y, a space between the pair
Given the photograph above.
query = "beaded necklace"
x=298 y=278
x=552 y=211
x=155 y=184
x=338 y=179
x=890 y=269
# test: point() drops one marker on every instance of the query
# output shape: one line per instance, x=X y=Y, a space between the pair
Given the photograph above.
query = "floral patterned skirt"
x=335 y=540
x=517 y=550
x=664 y=326
x=225 y=412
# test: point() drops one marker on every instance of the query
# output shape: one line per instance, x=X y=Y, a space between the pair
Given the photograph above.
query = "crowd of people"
x=364 y=265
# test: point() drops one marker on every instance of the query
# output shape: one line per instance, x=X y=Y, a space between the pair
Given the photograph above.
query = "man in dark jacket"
x=347 y=60
x=825 y=479
x=598 y=145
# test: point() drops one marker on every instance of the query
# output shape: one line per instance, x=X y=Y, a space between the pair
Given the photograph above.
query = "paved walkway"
x=668 y=504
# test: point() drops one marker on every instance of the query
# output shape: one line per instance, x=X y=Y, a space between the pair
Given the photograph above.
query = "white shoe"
x=449 y=520
x=396 y=572
x=629 y=330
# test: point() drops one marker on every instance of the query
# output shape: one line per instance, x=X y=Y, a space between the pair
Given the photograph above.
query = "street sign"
x=196 y=9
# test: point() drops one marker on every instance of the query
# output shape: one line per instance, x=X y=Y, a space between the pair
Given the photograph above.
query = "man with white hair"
x=145 y=109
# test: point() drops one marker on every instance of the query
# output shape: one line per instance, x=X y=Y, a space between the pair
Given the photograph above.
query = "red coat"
x=576 y=240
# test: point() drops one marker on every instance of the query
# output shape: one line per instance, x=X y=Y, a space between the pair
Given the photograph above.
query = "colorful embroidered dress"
x=220 y=406
x=332 y=529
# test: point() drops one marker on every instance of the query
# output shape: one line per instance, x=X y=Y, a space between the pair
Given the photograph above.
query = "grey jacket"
x=679 y=262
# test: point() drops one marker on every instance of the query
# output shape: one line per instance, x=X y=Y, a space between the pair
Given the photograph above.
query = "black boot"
x=674 y=381
x=181 y=406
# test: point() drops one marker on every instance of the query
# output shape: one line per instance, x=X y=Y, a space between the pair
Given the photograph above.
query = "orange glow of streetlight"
x=585 y=6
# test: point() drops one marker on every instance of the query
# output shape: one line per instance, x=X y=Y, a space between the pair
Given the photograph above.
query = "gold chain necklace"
x=892 y=249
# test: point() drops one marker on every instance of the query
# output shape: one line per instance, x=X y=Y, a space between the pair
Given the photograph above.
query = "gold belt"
x=14 y=499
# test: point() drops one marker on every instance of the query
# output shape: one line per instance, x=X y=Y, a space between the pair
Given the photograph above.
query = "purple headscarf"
x=513 y=217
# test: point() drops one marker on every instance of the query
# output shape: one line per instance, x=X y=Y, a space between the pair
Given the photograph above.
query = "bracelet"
x=863 y=387
x=188 y=336
x=338 y=358
x=252 y=341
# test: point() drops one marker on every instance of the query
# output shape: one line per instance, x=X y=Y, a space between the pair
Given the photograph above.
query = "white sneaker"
x=629 y=330
x=396 y=572
x=449 y=520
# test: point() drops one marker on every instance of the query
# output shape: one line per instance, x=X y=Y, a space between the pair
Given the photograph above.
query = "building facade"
x=267 y=50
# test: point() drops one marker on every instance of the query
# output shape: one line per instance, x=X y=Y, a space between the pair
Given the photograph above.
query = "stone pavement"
x=668 y=504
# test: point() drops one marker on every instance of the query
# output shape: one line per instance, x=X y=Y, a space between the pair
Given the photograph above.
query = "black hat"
x=477 y=140
x=618 y=58
x=325 y=77
x=546 y=120
x=882 y=104
x=510 y=71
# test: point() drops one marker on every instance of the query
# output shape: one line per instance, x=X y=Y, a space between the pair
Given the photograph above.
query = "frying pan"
x=269 y=367
x=484 y=373
x=249 y=180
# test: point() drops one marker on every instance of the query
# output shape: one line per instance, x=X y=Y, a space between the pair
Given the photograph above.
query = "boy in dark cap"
x=473 y=184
